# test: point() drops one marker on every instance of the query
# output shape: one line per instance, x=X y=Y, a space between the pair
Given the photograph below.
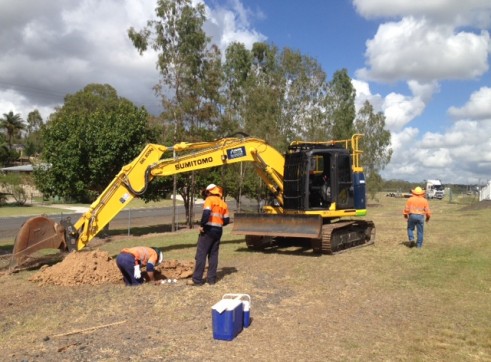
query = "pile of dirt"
x=97 y=267
x=174 y=269
x=93 y=268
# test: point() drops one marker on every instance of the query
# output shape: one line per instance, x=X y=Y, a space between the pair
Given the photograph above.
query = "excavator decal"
x=203 y=161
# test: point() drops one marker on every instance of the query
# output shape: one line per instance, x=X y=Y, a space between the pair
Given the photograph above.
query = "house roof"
x=23 y=168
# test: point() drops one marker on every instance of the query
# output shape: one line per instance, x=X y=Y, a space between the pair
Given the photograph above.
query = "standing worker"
x=130 y=261
x=417 y=210
x=214 y=218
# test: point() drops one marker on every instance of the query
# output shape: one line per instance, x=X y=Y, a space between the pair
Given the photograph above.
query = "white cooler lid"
x=226 y=304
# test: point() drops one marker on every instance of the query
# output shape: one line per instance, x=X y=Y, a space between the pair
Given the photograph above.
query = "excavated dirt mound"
x=97 y=267
x=174 y=269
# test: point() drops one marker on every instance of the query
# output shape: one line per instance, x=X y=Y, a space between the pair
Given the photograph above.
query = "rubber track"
x=336 y=229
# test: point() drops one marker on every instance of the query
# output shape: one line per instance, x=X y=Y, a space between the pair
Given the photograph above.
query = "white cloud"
x=461 y=154
x=399 y=110
x=231 y=24
x=456 y=12
x=424 y=91
x=59 y=47
x=478 y=106
x=10 y=100
x=363 y=94
x=425 y=44
x=415 y=49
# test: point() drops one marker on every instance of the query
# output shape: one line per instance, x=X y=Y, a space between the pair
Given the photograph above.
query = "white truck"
x=435 y=189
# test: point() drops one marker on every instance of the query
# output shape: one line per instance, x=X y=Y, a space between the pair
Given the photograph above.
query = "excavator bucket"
x=293 y=226
x=35 y=234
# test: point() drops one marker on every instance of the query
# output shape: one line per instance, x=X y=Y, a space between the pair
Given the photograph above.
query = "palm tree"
x=12 y=123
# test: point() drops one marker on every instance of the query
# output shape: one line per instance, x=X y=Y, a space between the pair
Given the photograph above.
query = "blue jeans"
x=418 y=221
x=126 y=265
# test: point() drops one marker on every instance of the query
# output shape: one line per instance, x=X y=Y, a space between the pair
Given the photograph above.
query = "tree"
x=13 y=124
x=375 y=145
x=34 y=122
x=87 y=141
x=236 y=72
x=341 y=105
x=304 y=90
x=14 y=185
x=4 y=150
x=190 y=75
x=32 y=142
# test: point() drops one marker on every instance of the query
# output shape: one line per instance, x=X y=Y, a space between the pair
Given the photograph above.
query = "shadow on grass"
x=139 y=230
x=222 y=272
x=36 y=262
x=409 y=244
x=285 y=247
x=15 y=205
x=6 y=248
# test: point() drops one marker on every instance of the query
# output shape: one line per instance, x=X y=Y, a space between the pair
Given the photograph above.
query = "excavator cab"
x=323 y=184
x=320 y=177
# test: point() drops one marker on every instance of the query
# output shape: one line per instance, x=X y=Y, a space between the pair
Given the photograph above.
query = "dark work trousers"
x=126 y=264
x=208 y=245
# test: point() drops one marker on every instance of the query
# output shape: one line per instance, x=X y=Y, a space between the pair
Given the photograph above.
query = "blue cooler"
x=246 y=305
x=227 y=318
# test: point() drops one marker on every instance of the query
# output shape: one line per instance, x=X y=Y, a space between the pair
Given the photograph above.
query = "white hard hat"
x=210 y=187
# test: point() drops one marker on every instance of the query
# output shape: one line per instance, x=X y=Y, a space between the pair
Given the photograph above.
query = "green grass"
x=27 y=210
x=11 y=209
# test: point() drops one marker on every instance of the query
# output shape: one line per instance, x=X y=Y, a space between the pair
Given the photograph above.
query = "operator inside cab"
x=320 y=191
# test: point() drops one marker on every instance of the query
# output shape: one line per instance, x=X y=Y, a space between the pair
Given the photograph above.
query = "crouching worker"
x=130 y=261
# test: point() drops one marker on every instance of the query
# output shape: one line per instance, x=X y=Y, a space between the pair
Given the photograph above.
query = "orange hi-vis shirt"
x=417 y=205
x=218 y=211
x=143 y=255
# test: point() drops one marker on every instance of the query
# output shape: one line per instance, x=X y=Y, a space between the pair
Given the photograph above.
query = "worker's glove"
x=137 y=273
x=427 y=219
x=405 y=216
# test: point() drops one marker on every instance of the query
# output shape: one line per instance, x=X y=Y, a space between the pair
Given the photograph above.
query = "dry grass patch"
x=385 y=302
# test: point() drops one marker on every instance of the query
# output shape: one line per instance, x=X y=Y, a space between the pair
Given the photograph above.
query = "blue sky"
x=424 y=64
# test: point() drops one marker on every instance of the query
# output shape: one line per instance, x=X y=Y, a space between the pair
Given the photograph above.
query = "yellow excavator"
x=318 y=190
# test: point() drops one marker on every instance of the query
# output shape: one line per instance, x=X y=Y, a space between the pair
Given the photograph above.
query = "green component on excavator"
x=290 y=226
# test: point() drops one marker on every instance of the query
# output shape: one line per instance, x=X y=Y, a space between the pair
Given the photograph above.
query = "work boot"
x=191 y=282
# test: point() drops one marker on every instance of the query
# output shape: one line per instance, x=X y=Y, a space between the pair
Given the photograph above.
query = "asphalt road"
x=125 y=219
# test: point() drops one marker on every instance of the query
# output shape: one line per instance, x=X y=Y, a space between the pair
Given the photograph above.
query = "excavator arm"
x=134 y=178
